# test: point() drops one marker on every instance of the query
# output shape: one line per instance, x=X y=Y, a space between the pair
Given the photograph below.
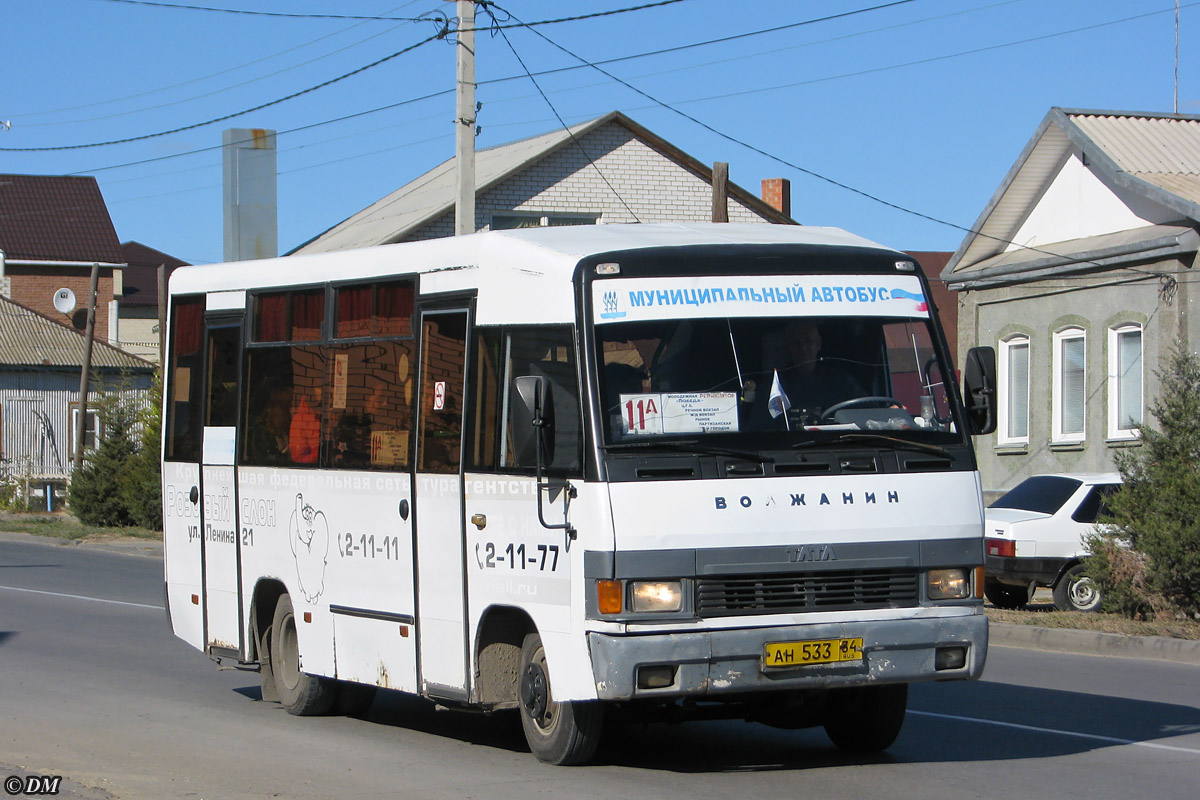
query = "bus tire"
x=300 y=693
x=866 y=719
x=562 y=733
x=266 y=677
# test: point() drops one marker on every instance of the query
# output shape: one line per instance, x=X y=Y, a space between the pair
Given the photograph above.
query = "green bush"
x=1147 y=558
x=118 y=484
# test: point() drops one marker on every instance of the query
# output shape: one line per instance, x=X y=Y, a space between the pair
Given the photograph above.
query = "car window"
x=1094 y=506
x=1042 y=493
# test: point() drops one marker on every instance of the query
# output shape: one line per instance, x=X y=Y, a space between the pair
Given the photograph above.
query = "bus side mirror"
x=531 y=420
x=979 y=389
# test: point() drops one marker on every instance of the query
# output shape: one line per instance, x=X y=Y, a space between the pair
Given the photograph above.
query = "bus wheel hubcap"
x=533 y=691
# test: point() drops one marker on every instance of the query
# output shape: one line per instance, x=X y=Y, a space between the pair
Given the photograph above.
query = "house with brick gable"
x=53 y=228
x=1078 y=272
x=606 y=170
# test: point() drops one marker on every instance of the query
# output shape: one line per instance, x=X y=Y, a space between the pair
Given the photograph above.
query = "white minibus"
x=678 y=470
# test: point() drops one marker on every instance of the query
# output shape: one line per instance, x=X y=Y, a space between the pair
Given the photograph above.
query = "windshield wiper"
x=906 y=444
x=691 y=446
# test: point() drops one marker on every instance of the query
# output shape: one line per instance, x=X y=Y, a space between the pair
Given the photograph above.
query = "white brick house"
x=606 y=170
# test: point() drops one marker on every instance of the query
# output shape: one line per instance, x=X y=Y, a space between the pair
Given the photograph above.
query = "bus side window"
x=370 y=391
x=183 y=428
x=549 y=352
x=282 y=419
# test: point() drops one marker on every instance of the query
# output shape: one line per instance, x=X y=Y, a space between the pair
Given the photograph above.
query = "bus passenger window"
x=284 y=387
x=185 y=380
x=370 y=405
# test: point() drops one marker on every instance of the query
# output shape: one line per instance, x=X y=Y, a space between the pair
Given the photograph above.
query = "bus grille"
x=811 y=591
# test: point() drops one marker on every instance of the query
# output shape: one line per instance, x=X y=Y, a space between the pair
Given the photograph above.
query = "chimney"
x=777 y=193
x=250 y=200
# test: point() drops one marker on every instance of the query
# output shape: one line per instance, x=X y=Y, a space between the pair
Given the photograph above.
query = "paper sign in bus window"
x=341 y=369
x=679 y=412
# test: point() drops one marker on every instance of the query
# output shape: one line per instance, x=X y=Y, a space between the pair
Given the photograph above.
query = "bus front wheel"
x=301 y=694
x=562 y=733
x=866 y=719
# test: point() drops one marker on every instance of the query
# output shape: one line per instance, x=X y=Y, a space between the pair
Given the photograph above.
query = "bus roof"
x=506 y=266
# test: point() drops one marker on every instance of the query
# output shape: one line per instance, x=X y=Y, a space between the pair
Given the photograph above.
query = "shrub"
x=118 y=484
x=1147 y=558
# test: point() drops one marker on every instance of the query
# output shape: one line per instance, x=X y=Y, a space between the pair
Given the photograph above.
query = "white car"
x=1035 y=537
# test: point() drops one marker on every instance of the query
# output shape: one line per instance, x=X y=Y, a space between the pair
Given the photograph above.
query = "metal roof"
x=139 y=280
x=29 y=339
x=431 y=195
x=1156 y=156
x=56 y=218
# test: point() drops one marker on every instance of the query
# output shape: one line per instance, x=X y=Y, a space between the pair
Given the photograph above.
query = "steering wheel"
x=874 y=401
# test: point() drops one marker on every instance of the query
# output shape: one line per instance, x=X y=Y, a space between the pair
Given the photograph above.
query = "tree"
x=1147 y=557
x=119 y=483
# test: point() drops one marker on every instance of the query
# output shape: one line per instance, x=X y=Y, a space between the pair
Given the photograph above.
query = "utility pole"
x=720 y=191
x=86 y=371
x=464 y=121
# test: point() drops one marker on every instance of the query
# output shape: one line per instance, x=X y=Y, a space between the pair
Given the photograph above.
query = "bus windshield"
x=796 y=377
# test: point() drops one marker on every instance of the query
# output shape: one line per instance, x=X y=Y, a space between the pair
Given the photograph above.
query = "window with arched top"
x=1125 y=381
x=1069 y=416
x=1013 y=377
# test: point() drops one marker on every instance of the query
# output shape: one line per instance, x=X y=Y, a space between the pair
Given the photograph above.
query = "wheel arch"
x=262 y=609
x=1066 y=567
x=498 y=639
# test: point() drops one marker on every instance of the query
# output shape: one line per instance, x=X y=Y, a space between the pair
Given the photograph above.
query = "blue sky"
x=924 y=104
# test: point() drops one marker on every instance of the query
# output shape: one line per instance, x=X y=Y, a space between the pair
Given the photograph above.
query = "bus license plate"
x=821 y=651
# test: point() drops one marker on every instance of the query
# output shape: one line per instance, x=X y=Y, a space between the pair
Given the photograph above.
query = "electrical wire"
x=584 y=65
x=498 y=29
x=24 y=124
x=441 y=34
x=373 y=18
x=797 y=167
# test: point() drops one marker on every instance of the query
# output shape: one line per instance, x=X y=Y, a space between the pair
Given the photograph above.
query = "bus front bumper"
x=729 y=661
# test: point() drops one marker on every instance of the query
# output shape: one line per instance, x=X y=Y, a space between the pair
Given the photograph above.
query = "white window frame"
x=1115 y=429
x=1004 y=432
x=545 y=219
x=93 y=415
x=1058 y=398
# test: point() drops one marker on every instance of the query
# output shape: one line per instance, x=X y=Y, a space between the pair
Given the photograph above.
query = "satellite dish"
x=64 y=301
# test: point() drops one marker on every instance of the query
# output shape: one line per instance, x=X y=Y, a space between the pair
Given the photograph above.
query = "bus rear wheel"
x=561 y=733
x=300 y=693
x=866 y=719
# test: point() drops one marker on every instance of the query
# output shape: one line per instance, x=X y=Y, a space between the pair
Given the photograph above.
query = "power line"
x=509 y=78
x=564 y=125
x=373 y=18
x=243 y=12
x=259 y=107
x=111 y=101
x=797 y=167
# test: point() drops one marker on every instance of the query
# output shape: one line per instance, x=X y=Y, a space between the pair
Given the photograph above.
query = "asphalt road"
x=94 y=688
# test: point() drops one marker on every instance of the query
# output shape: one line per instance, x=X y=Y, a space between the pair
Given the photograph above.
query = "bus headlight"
x=655 y=596
x=948 y=584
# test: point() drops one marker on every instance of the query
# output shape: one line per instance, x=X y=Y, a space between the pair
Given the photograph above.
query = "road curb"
x=1065 y=640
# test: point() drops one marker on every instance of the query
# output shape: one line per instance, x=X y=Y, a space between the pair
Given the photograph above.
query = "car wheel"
x=1076 y=591
x=1005 y=595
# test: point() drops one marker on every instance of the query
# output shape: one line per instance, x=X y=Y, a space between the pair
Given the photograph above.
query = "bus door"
x=219 y=545
x=438 y=504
